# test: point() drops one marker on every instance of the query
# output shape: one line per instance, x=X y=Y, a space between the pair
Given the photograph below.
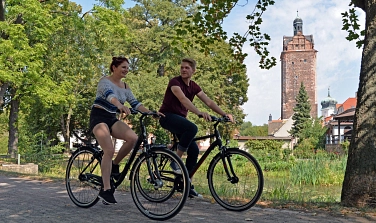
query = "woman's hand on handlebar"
x=124 y=111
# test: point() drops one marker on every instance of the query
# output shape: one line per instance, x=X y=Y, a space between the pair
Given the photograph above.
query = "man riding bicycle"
x=177 y=101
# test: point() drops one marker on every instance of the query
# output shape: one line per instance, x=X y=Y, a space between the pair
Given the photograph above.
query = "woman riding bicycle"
x=111 y=95
x=176 y=103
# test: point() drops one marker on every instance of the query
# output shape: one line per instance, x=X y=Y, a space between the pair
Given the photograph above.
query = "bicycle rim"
x=166 y=200
x=240 y=195
x=82 y=179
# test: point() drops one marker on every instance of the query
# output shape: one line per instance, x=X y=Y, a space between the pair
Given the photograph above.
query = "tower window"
x=292 y=62
x=305 y=60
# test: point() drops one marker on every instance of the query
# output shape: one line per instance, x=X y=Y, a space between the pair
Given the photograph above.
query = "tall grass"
x=318 y=171
x=3 y=143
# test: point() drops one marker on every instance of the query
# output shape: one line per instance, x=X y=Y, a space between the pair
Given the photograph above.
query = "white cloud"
x=338 y=60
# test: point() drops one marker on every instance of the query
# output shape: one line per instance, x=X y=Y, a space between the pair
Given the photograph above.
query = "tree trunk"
x=2 y=10
x=66 y=130
x=3 y=89
x=13 y=128
x=359 y=185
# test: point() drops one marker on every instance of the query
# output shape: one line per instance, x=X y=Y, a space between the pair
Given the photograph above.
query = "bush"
x=305 y=149
x=270 y=154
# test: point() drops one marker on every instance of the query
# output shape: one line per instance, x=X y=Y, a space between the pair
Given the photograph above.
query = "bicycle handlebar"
x=153 y=113
x=218 y=119
x=136 y=111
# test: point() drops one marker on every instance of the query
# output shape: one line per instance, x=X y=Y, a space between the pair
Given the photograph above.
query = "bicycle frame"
x=142 y=139
x=217 y=142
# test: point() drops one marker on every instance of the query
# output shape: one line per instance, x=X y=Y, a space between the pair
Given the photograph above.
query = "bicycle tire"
x=241 y=195
x=165 y=201
x=83 y=177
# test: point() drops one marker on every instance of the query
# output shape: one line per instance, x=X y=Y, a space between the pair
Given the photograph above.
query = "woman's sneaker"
x=193 y=193
x=174 y=166
x=107 y=197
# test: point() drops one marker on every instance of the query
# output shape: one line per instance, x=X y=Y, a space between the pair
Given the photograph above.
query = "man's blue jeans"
x=185 y=130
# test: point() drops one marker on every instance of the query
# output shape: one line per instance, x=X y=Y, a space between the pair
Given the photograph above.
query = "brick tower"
x=298 y=64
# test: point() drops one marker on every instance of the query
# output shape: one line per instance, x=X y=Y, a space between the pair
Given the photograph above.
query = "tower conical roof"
x=298 y=25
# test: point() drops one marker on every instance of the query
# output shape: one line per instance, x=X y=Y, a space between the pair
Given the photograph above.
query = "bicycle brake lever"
x=213 y=118
x=226 y=118
x=155 y=114
x=133 y=111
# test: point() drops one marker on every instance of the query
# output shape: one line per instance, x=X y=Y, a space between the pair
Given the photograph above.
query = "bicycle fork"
x=155 y=177
x=227 y=165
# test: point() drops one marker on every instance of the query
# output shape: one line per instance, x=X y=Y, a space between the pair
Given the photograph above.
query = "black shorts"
x=98 y=115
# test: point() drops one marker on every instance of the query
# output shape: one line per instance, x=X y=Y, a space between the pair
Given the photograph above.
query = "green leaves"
x=207 y=27
x=350 y=24
x=66 y=54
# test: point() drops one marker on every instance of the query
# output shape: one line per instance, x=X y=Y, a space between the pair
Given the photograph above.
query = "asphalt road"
x=26 y=200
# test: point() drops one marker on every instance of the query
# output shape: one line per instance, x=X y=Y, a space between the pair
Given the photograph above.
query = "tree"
x=155 y=57
x=315 y=132
x=23 y=35
x=359 y=185
x=247 y=129
x=208 y=20
x=301 y=114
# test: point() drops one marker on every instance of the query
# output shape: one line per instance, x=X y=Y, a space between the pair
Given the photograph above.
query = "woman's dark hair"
x=116 y=61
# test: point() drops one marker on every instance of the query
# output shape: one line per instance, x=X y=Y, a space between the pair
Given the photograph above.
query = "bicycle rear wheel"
x=163 y=195
x=83 y=177
x=243 y=188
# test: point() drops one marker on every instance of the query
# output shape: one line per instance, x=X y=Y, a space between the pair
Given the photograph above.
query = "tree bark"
x=359 y=185
x=13 y=128
x=3 y=89
x=65 y=129
x=2 y=10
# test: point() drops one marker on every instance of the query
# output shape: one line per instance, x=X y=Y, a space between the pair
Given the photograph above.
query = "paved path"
x=27 y=200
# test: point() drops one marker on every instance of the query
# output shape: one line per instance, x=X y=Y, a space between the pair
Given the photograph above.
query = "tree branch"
x=360 y=4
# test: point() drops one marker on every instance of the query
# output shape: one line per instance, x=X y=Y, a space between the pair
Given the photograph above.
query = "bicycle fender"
x=217 y=157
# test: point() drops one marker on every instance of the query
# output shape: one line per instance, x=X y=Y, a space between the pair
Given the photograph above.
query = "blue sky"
x=338 y=60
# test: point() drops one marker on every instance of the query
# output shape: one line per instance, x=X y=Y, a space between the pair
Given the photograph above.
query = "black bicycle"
x=234 y=176
x=157 y=191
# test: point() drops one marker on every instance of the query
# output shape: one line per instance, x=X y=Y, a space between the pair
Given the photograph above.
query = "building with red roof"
x=340 y=122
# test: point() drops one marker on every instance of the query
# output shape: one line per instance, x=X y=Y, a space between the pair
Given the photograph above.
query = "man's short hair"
x=191 y=62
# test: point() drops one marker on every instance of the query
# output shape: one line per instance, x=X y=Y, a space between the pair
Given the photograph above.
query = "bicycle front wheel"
x=235 y=182
x=82 y=178
x=157 y=191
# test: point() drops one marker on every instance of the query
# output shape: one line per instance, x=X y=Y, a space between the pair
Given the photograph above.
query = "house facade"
x=340 y=121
